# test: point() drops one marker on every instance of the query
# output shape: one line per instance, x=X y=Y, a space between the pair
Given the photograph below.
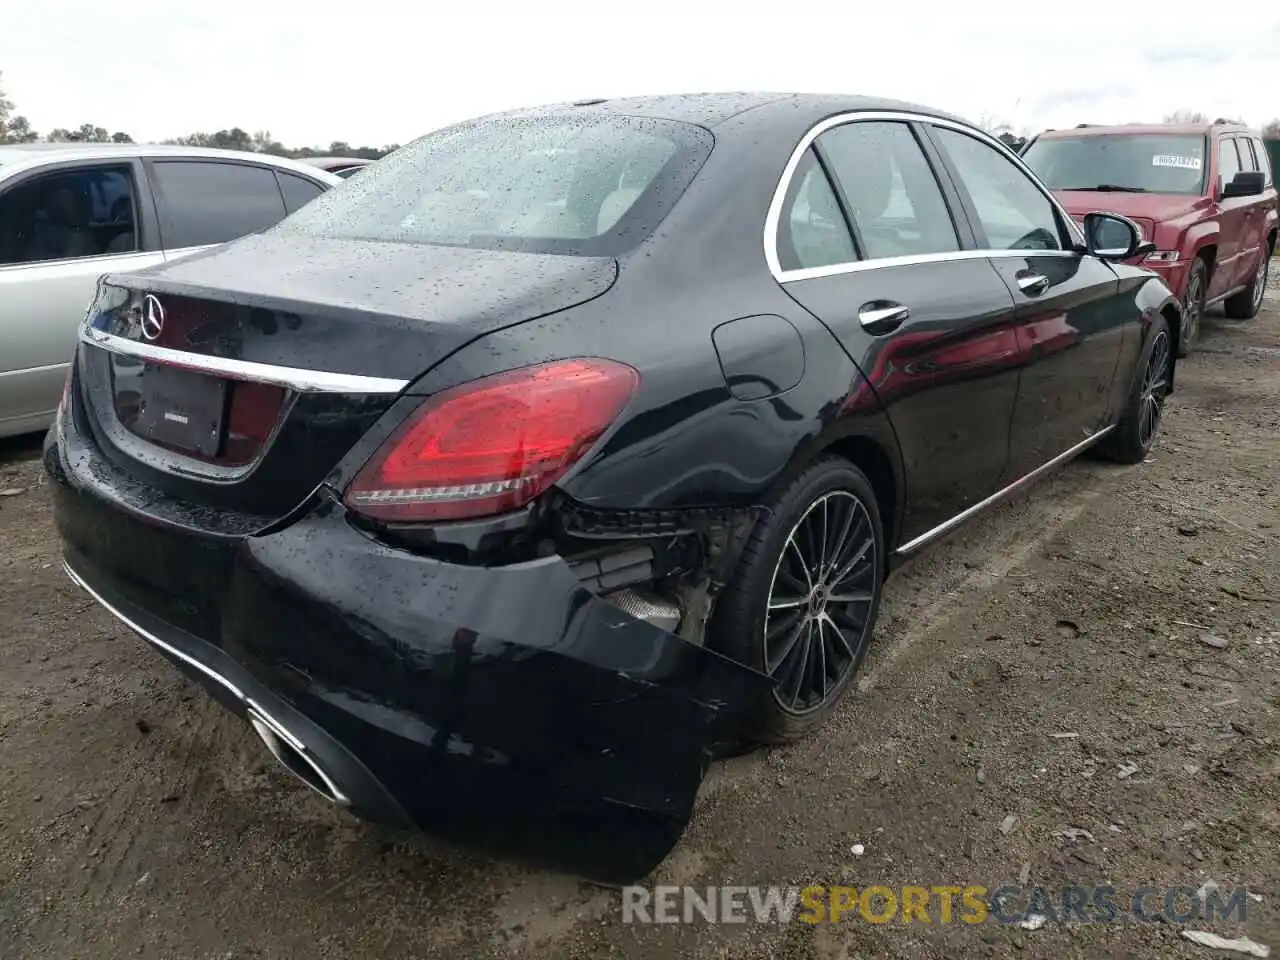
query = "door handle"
x=882 y=316
x=1033 y=284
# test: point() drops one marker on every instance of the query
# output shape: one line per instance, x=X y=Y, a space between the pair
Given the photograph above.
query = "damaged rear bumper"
x=506 y=707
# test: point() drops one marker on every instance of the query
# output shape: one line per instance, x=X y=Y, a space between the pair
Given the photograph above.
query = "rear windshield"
x=1149 y=163
x=570 y=184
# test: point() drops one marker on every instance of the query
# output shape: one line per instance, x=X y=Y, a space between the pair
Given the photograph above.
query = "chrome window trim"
x=92 y=258
x=809 y=273
x=292 y=378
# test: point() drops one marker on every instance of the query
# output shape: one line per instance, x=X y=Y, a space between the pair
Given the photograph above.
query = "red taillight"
x=494 y=444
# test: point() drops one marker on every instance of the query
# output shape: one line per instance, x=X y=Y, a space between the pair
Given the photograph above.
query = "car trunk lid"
x=240 y=377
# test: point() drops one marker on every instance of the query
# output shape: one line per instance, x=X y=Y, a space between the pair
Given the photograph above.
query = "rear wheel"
x=803 y=604
x=1246 y=304
x=1193 y=306
x=1139 y=424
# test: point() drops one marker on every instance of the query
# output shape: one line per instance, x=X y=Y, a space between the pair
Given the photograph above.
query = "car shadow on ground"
x=17 y=449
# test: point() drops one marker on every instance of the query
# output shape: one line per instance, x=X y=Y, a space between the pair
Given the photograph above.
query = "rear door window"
x=893 y=197
x=68 y=215
x=812 y=231
x=298 y=191
x=1264 y=160
x=1248 y=159
x=205 y=202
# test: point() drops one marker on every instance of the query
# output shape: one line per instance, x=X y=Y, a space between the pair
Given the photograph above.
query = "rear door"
x=1255 y=217
x=204 y=202
x=1269 y=201
x=1071 y=322
x=868 y=243
x=61 y=227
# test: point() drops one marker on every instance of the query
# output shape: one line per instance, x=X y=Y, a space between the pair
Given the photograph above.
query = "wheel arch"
x=1156 y=300
x=872 y=447
x=1208 y=252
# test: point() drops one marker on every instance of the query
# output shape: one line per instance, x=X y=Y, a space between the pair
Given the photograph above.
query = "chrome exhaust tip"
x=293 y=755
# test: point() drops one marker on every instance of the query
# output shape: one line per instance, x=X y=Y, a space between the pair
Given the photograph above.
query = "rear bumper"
x=507 y=707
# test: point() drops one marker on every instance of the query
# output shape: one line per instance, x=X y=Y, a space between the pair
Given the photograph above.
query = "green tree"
x=86 y=133
x=263 y=142
x=233 y=139
x=19 y=130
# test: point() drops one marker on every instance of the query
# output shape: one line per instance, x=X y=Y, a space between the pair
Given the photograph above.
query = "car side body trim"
x=914 y=545
x=291 y=378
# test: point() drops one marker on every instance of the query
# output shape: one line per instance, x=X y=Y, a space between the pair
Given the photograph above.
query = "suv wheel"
x=1246 y=304
x=1193 y=306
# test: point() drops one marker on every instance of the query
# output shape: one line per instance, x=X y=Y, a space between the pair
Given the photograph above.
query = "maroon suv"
x=1204 y=194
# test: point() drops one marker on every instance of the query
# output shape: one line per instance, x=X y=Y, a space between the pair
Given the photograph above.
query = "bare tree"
x=6 y=107
x=1272 y=129
x=994 y=125
x=1185 y=116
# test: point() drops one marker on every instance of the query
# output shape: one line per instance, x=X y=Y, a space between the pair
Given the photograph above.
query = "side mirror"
x=1246 y=183
x=1110 y=236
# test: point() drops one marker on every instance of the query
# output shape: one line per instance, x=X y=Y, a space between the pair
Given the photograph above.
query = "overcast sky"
x=382 y=71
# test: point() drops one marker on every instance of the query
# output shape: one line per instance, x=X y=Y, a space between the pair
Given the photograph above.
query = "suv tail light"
x=492 y=445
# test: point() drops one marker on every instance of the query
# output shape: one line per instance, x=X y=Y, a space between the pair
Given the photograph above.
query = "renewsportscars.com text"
x=970 y=904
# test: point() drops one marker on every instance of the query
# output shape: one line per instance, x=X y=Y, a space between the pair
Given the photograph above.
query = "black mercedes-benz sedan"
x=501 y=487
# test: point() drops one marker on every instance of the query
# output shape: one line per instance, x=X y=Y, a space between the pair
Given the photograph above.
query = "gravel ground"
x=137 y=820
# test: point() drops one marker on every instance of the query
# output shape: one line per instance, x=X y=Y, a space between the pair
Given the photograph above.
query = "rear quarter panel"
x=685 y=440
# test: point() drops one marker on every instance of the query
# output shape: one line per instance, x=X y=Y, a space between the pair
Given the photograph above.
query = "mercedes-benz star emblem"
x=152 y=317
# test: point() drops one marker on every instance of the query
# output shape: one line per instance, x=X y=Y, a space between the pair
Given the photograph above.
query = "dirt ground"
x=138 y=820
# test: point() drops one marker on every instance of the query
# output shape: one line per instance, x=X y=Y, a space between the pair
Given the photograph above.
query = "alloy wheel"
x=818 y=615
x=1155 y=387
x=1260 y=281
x=1193 y=307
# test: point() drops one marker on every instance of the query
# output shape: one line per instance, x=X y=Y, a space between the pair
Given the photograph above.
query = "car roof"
x=712 y=109
x=1145 y=129
x=29 y=155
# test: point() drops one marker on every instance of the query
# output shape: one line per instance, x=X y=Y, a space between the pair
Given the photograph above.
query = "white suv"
x=70 y=212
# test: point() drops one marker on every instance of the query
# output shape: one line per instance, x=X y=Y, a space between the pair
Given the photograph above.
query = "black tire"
x=1193 y=298
x=1139 y=423
x=774 y=589
x=1246 y=304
